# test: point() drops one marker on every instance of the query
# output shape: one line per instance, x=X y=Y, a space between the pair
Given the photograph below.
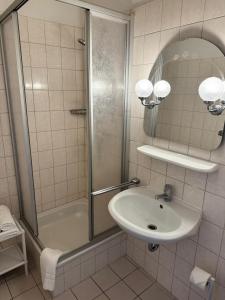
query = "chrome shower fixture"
x=82 y=42
x=144 y=89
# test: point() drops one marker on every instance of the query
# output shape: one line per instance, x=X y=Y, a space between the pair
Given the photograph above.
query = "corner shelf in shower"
x=182 y=160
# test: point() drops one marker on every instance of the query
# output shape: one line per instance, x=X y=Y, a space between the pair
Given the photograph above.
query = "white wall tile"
x=42 y=121
x=186 y=249
x=52 y=33
x=193 y=196
x=164 y=277
x=53 y=56
x=23 y=26
x=153 y=16
x=213 y=31
x=192 y=11
x=196 y=179
x=41 y=100
x=36 y=31
x=176 y=172
x=171 y=14
x=55 y=79
x=139 y=21
x=214 y=9
x=179 y=290
x=214 y=209
x=138 y=50
x=151 y=47
x=210 y=236
x=68 y=59
x=166 y=258
x=67 y=36
x=206 y=260
x=38 y=55
x=39 y=78
x=220 y=273
x=183 y=270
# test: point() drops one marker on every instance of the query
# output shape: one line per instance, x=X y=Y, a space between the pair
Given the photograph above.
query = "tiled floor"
x=121 y=280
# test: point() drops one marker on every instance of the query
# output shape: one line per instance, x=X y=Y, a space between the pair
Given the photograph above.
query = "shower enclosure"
x=66 y=80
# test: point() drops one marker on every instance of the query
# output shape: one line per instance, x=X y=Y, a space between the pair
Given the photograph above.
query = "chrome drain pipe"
x=153 y=247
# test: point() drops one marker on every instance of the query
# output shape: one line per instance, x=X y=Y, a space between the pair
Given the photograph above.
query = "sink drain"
x=152 y=227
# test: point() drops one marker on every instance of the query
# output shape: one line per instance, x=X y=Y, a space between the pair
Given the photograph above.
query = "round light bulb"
x=162 y=89
x=222 y=96
x=143 y=88
x=210 y=89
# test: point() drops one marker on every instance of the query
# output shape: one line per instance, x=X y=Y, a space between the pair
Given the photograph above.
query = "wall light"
x=162 y=89
x=212 y=92
x=144 y=89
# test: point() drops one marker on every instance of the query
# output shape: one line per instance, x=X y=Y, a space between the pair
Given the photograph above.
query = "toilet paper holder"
x=210 y=286
x=203 y=280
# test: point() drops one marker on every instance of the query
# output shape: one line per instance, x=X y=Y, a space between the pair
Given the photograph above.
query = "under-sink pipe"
x=153 y=247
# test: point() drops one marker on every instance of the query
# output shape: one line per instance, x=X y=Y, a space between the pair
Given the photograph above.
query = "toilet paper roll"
x=199 y=278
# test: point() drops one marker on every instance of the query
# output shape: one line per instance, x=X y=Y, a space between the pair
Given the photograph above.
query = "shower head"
x=82 y=42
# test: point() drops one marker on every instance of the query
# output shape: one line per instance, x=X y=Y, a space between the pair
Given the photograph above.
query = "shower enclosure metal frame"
x=108 y=14
x=124 y=175
x=14 y=17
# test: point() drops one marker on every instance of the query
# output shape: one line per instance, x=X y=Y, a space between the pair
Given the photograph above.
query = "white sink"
x=136 y=209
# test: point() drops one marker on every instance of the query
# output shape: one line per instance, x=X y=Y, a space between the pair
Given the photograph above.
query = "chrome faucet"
x=167 y=195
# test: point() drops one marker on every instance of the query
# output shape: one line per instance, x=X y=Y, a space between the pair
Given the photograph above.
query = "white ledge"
x=178 y=159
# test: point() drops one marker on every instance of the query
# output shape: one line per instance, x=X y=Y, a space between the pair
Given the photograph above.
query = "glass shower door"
x=18 y=118
x=107 y=113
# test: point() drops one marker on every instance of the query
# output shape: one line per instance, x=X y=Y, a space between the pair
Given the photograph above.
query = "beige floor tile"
x=122 y=267
x=14 y=273
x=20 y=284
x=32 y=294
x=155 y=292
x=36 y=275
x=65 y=296
x=138 y=281
x=86 y=290
x=4 y=291
x=102 y=297
x=120 y=292
x=105 y=278
x=46 y=294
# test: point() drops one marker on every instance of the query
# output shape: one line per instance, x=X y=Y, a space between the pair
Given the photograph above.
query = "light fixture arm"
x=216 y=108
x=150 y=104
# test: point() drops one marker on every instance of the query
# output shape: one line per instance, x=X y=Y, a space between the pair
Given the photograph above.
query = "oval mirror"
x=182 y=117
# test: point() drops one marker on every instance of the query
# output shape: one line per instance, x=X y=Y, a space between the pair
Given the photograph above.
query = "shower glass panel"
x=18 y=115
x=108 y=117
x=53 y=64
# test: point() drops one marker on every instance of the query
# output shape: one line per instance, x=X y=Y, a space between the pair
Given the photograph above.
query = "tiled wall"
x=53 y=63
x=8 y=190
x=156 y=24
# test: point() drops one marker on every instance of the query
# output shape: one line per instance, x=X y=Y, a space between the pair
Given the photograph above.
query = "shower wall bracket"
x=78 y=111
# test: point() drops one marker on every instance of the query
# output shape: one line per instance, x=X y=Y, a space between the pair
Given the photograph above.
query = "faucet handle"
x=168 y=190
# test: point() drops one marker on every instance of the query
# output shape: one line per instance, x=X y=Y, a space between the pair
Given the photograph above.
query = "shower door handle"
x=133 y=181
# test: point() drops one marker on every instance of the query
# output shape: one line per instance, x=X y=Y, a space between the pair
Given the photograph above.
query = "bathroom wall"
x=4 y=5
x=155 y=25
x=53 y=63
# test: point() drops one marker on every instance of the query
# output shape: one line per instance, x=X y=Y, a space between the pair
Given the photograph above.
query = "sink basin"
x=138 y=212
